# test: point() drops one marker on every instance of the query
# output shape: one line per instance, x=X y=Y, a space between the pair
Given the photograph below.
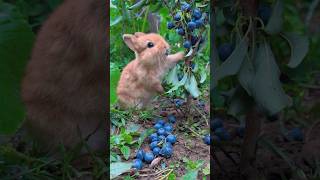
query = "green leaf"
x=16 y=40
x=206 y=170
x=172 y=77
x=114 y=78
x=172 y=176
x=191 y=86
x=275 y=23
x=246 y=74
x=190 y=175
x=127 y=138
x=203 y=76
x=266 y=87
x=299 y=48
x=116 y=21
x=137 y=5
x=179 y=84
x=132 y=127
x=125 y=150
x=232 y=65
x=119 y=168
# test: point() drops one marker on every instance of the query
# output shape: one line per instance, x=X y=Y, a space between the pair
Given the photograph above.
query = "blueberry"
x=157 y=126
x=171 y=117
x=240 y=131
x=154 y=135
x=170 y=25
x=168 y=127
x=155 y=139
x=161 y=131
x=148 y=157
x=206 y=139
x=185 y=7
x=171 y=138
x=264 y=12
x=196 y=14
x=156 y=151
x=191 y=25
x=137 y=163
x=180 y=31
x=177 y=17
x=296 y=134
x=178 y=102
x=225 y=51
x=154 y=144
x=216 y=123
x=140 y=154
x=167 y=144
x=187 y=44
x=199 y=23
x=160 y=121
x=166 y=151
x=222 y=134
x=201 y=103
x=161 y=137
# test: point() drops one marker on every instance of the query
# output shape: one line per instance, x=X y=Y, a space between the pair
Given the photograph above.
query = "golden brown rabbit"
x=141 y=78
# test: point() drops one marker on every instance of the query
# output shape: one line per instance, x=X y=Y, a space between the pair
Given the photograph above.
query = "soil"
x=188 y=145
x=270 y=165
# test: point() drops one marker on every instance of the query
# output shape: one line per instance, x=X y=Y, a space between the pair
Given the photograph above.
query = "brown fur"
x=141 y=78
x=64 y=88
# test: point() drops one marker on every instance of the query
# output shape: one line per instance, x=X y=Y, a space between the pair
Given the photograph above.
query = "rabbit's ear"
x=130 y=41
x=138 y=34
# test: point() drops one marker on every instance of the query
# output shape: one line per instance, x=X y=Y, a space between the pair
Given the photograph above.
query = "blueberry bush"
x=264 y=68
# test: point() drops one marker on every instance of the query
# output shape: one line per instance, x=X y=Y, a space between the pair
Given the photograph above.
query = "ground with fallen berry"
x=182 y=151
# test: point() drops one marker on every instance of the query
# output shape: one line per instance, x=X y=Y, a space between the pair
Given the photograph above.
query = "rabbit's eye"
x=150 y=44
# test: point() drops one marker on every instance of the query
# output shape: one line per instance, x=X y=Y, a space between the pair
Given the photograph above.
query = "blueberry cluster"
x=221 y=134
x=161 y=143
x=187 y=21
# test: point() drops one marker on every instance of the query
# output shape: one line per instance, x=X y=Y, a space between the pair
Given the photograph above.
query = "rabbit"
x=64 y=86
x=141 y=79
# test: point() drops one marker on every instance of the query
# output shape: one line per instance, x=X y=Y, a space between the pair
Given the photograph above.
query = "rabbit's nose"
x=167 y=52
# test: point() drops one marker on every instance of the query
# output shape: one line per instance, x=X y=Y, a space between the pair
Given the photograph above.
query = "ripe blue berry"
x=156 y=151
x=191 y=25
x=178 y=102
x=222 y=134
x=206 y=139
x=180 y=31
x=171 y=138
x=225 y=51
x=155 y=139
x=160 y=121
x=161 y=131
x=154 y=135
x=140 y=154
x=185 y=7
x=196 y=14
x=171 y=117
x=148 y=157
x=170 y=25
x=137 y=163
x=154 y=144
x=177 y=17
x=296 y=134
x=199 y=23
x=168 y=127
x=157 y=126
x=161 y=137
x=166 y=151
x=216 y=123
x=187 y=44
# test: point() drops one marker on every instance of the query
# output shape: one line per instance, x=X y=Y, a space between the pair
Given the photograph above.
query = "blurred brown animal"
x=64 y=88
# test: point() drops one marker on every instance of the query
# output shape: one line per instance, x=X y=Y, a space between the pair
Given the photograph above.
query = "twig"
x=203 y=116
